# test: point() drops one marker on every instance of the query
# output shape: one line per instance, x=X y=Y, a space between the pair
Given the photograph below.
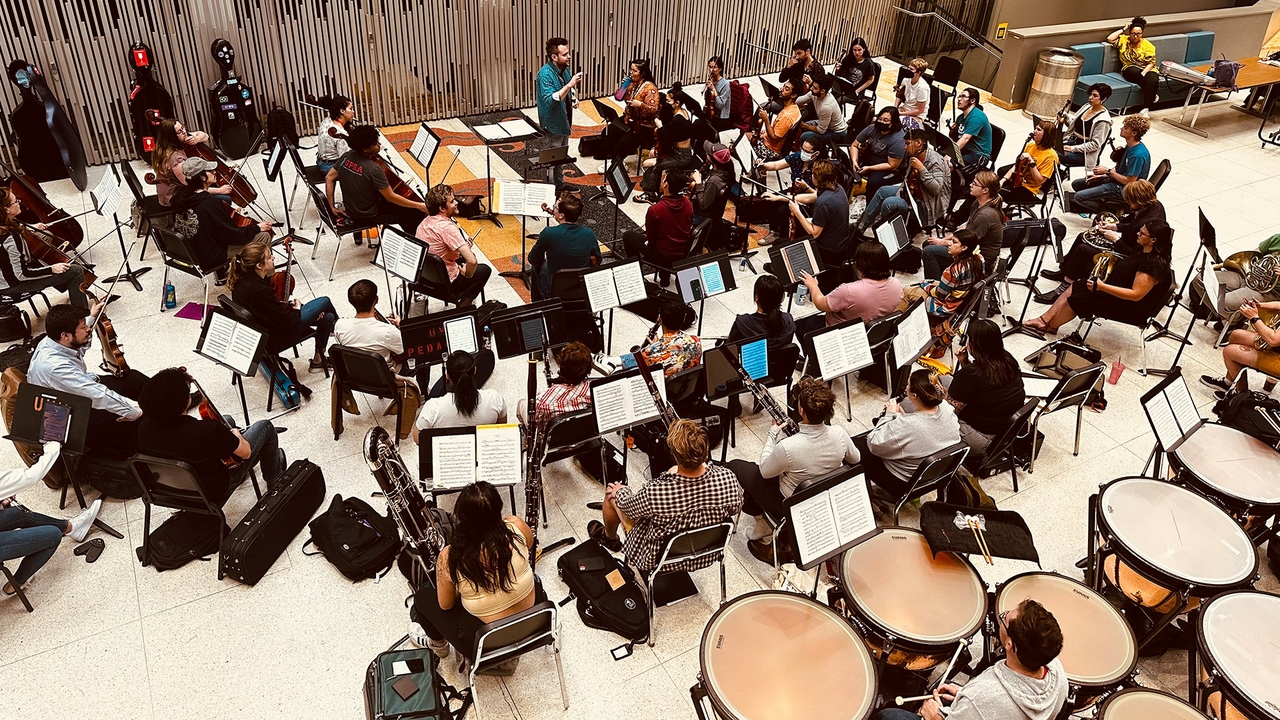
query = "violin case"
x=266 y=530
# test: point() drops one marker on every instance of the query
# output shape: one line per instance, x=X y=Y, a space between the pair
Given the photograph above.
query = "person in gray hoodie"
x=893 y=450
x=1028 y=684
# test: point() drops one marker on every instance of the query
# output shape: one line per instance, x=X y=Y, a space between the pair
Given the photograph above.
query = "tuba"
x=1094 y=235
x=1258 y=269
x=423 y=537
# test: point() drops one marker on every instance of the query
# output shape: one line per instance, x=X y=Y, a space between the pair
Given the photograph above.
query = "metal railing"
x=915 y=35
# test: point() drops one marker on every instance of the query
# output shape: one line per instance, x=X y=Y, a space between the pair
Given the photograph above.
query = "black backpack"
x=1244 y=411
x=624 y=611
x=358 y=541
x=281 y=124
x=182 y=538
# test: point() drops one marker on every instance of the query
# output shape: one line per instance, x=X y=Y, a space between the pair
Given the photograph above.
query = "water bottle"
x=743 y=265
x=170 y=297
x=802 y=295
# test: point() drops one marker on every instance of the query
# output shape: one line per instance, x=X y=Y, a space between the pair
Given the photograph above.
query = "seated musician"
x=928 y=181
x=18 y=274
x=693 y=493
x=1038 y=163
x=802 y=63
x=830 y=124
x=368 y=331
x=913 y=95
x=769 y=142
x=168 y=155
x=465 y=403
x=829 y=226
x=640 y=109
x=713 y=184
x=893 y=450
x=1144 y=207
x=1090 y=129
x=58 y=363
x=1232 y=290
x=1136 y=288
x=1028 y=683
x=718 y=94
x=569 y=391
x=284 y=321
x=483 y=575
x=564 y=246
x=32 y=536
x=1138 y=60
x=1106 y=185
x=769 y=319
x=875 y=294
x=945 y=295
x=218 y=236
x=669 y=344
x=986 y=390
x=1243 y=346
x=878 y=150
x=972 y=133
x=674 y=151
x=333 y=145
x=446 y=240
x=986 y=220
x=785 y=462
x=668 y=225
x=168 y=431
x=857 y=67
x=774 y=208
x=367 y=196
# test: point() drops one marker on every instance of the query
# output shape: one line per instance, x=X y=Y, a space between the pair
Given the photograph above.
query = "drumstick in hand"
x=946 y=673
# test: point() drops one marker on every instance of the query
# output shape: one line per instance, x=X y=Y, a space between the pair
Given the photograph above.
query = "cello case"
x=49 y=147
x=235 y=118
x=147 y=99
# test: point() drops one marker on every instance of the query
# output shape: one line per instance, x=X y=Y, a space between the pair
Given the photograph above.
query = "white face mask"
x=805 y=156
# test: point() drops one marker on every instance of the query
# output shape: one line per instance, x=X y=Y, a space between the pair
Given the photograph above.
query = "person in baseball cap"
x=710 y=189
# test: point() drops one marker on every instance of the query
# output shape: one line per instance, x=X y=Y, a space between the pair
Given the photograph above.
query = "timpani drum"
x=772 y=655
x=1234 y=468
x=1146 y=704
x=1099 y=652
x=1164 y=545
x=1238 y=637
x=909 y=602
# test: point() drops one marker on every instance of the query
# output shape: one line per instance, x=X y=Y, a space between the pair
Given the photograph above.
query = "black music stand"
x=1018 y=325
x=107 y=196
x=424 y=337
x=620 y=185
x=489 y=214
x=696 y=286
x=28 y=426
x=215 y=353
x=426 y=463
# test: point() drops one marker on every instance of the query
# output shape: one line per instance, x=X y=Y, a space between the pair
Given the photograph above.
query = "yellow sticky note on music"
x=615 y=579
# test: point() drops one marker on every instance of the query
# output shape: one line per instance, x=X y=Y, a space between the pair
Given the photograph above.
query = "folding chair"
x=932 y=474
x=179 y=255
x=1000 y=454
x=688 y=545
x=1072 y=391
x=511 y=637
x=433 y=281
x=17 y=589
x=363 y=371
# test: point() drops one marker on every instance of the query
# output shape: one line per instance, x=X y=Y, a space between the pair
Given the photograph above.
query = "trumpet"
x=1103 y=263
x=1095 y=236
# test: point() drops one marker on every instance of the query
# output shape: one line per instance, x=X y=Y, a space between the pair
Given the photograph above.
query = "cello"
x=36 y=208
x=394 y=180
x=242 y=192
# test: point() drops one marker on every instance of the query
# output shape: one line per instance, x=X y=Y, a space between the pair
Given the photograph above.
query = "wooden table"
x=1255 y=75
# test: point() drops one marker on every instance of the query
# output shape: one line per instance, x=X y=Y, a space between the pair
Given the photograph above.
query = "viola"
x=283 y=283
x=207 y=411
x=36 y=208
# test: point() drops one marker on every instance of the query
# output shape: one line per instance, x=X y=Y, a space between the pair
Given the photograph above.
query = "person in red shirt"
x=667 y=226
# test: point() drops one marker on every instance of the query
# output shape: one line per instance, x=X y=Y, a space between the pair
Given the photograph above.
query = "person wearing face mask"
x=878 y=150
x=709 y=185
x=774 y=209
x=928 y=180
x=972 y=132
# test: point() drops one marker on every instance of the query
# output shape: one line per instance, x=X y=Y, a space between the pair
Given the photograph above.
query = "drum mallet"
x=900 y=701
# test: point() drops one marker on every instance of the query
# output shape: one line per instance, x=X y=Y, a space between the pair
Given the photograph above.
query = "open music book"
x=614 y=285
x=230 y=342
x=1212 y=288
x=913 y=335
x=400 y=255
x=624 y=401
x=106 y=195
x=516 y=197
x=1171 y=411
x=507 y=129
x=424 y=146
x=491 y=454
x=797 y=258
x=842 y=349
x=832 y=521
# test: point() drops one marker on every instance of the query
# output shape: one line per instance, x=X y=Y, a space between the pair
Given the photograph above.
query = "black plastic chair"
x=330 y=222
x=363 y=371
x=997 y=142
x=511 y=637
x=149 y=206
x=687 y=395
x=1161 y=173
x=1000 y=454
x=433 y=281
x=15 y=298
x=693 y=544
x=932 y=474
x=1072 y=391
x=880 y=335
x=1142 y=327
x=178 y=254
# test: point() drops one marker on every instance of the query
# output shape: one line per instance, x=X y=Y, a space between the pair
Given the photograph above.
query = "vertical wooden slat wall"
x=400 y=60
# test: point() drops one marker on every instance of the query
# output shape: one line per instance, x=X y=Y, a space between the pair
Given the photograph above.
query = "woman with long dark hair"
x=878 y=150
x=769 y=319
x=465 y=403
x=483 y=575
x=670 y=344
x=857 y=67
x=168 y=155
x=329 y=147
x=893 y=450
x=987 y=390
x=18 y=274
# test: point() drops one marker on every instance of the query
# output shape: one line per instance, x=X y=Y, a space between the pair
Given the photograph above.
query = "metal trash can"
x=1057 y=70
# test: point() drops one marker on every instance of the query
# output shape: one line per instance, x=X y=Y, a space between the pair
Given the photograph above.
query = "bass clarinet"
x=764 y=399
x=535 y=447
x=423 y=538
x=665 y=412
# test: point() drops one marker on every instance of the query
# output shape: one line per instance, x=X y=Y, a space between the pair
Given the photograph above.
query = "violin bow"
x=111 y=290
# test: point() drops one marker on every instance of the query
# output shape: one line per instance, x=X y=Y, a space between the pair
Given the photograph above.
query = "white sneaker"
x=770 y=238
x=82 y=523
x=1145 y=113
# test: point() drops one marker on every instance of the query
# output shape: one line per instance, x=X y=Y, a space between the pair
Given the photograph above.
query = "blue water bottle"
x=170 y=297
x=802 y=295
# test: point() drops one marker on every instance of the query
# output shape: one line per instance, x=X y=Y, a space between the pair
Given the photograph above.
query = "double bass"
x=47 y=141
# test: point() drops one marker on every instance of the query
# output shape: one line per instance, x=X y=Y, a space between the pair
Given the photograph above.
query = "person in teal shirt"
x=973 y=133
x=564 y=246
x=556 y=99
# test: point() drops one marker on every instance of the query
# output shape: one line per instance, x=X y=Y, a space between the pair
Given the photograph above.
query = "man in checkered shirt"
x=691 y=494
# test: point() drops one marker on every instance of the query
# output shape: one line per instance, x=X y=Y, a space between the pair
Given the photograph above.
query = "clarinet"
x=665 y=412
x=764 y=399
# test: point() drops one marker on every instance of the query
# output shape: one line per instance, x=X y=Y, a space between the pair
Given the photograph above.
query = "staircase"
x=933 y=28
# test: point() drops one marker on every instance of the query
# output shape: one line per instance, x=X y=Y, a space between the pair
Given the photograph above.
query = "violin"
x=36 y=208
x=207 y=411
x=283 y=283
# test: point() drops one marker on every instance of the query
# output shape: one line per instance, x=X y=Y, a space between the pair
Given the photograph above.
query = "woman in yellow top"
x=1039 y=161
x=1137 y=60
x=482 y=575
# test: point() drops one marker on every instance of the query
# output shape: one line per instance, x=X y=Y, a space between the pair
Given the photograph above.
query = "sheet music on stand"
x=230 y=343
x=106 y=195
x=400 y=254
x=913 y=335
x=491 y=453
x=1036 y=385
x=1212 y=288
x=831 y=520
x=798 y=257
x=424 y=146
x=517 y=197
x=614 y=285
x=842 y=349
x=1171 y=411
x=505 y=130
x=621 y=401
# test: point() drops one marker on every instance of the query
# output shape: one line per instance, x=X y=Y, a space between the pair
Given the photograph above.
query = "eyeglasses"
x=1003 y=622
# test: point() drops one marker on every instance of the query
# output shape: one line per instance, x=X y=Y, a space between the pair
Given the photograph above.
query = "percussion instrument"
x=1163 y=544
x=1099 y=652
x=1238 y=638
x=1145 y=704
x=771 y=655
x=1258 y=269
x=913 y=607
x=1232 y=468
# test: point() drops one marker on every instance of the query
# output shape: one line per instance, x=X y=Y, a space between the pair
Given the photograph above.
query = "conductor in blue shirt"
x=556 y=99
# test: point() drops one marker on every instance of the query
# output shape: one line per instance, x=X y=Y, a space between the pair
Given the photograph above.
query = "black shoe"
x=761 y=551
x=595 y=530
x=1054 y=275
x=1047 y=298
x=314 y=366
x=1217 y=383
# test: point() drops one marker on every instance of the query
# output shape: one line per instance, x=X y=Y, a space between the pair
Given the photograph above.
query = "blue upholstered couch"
x=1102 y=64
